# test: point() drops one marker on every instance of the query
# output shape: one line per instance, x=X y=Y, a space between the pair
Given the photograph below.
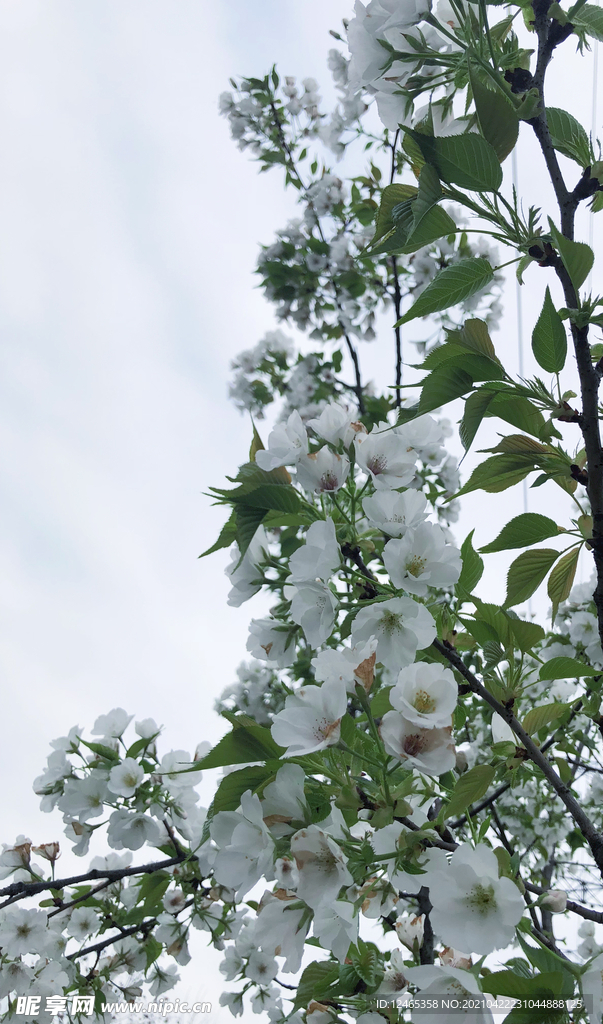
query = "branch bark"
x=550 y=34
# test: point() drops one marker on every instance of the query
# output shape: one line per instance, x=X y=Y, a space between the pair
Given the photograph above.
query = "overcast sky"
x=129 y=232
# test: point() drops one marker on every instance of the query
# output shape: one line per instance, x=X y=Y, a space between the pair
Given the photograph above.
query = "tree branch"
x=590 y=833
x=20 y=890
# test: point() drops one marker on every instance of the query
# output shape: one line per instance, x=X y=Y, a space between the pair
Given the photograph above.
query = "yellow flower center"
x=423 y=702
x=482 y=899
x=416 y=565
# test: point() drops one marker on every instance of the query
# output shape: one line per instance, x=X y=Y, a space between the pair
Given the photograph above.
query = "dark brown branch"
x=426 y=953
x=550 y=35
x=358 y=389
x=20 y=890
x=398 y=331
x=144 y=927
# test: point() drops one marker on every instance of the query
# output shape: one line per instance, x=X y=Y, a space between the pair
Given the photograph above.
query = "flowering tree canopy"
x=411 y=784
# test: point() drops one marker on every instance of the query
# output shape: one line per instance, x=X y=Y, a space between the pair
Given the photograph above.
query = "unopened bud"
x=554 y=900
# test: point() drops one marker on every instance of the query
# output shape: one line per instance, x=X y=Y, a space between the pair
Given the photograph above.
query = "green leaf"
x=519 y=444
x=450 y=286
x=567 y=668
x=577 y=257
x=247 y=521
x=497 y=474
x=227 y=536
x=365 y=960
x=380 y=703
x=136 y=747
x=152 y=950
x=391 y=197
x=589 y=19
x=476 y=407
x=497 y=117
x=101 y=750
x=525 y=529
x=562 y=578
x=152 y=888
x=519 y=412
x=526 y=634
x=233 y=785
x=568 y=136
x=507 y=983
x=430 y=193
x=526 y=574
x=475 y=337
x=247 y=743
x=549 y=340
x=538 y=718
x=408 y=220
x=272 y=496
x=434 y=224
x=545 y=960
x=318 y=981
x=442 y=386
x=465 y=160
x=470 y=787
x=473 y=566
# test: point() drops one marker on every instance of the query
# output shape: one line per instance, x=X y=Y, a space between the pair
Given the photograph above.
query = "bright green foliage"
x=464 y=160
x=497 y=116
x=526 y=574
x=525 y=529
x=549 y=340
x=450 y=286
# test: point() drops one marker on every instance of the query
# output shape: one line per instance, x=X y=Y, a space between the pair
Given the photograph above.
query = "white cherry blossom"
x=430 y=751
x=131 y=830
x=285 y=797
x=474 y=909
x=422 y=559
x=348 y=665
x=426 y=694
x=335 y=423
x=323 y=470
x=22 y=931
x=380 y=19
x=311 y=719
x=402 y=626
x=281 y=930
x=313 y=607
x=385 y=457
x=394 y=980
x=125 y=778
x=82 y=923
x=261 y=967
x=270 y=641
x=592 y=989
x=395 y=513
x=244 y=573
x=112 y=725
x=245 y=846
x=286 y=444
x=319 y=557
x=441 y=980
x=336 y=925
x=321 y=865
x=85 y=798
x=173 y=769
